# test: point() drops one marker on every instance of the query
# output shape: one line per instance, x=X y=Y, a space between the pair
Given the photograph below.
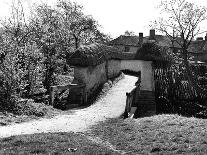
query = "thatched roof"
x=95 y=54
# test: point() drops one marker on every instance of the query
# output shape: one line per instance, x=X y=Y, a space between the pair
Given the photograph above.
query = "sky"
x=114 y=16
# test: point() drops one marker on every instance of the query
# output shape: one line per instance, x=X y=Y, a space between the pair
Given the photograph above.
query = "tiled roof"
x=164 y=41
x=198 y=46
x=134 y=41
x=125 y=40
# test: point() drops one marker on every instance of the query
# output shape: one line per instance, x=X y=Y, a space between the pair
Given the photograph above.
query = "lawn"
x=51 y=144
x=161 y=134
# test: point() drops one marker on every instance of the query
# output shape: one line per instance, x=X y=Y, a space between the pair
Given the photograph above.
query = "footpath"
x=111 y=105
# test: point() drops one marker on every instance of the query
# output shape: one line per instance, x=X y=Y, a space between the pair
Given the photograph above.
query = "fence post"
x=127 y=106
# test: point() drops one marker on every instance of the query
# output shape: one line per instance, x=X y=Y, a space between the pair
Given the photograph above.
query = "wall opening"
x=132 y=73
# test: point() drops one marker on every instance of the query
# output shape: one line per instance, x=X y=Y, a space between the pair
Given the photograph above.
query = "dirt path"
x=110 y=106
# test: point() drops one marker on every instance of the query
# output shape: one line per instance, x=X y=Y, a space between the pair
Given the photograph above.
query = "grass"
x=26 y=112
x=160 y=134
x=51 y=144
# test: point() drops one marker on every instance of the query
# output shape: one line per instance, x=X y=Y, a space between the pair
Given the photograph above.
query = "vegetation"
x=161 y=134
x=52 y=143
x=178 y=88
x=152 y=51
x=27 y=110
x=129 y=33
x=181 y=23
x=33 y=48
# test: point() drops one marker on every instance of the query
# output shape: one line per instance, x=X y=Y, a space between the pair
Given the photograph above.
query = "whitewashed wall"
x=93 y=76
x=147 y=77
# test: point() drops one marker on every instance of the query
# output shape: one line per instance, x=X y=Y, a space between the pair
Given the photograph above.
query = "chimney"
x=152 y=34
x=140 y=38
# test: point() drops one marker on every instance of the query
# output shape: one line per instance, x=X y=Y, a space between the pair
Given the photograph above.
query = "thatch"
x=95 y=54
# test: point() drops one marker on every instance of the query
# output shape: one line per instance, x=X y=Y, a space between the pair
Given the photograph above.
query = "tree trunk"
x=48 y=78
x=76 y=42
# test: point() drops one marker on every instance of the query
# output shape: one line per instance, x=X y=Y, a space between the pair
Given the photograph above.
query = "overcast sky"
x=115 y=16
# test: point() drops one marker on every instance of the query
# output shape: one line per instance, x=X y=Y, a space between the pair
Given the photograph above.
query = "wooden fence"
x=174 y=94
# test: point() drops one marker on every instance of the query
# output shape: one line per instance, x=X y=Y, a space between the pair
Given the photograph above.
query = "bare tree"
x=181 y=23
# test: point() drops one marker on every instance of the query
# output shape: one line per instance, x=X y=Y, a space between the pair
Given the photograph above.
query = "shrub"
x=29 y=107
x=63 y=79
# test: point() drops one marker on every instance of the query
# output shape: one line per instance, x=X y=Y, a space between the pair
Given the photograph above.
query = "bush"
x=29 y=107
x=63 y=79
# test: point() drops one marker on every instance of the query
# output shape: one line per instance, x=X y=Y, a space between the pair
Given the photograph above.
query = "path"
x=110 y=106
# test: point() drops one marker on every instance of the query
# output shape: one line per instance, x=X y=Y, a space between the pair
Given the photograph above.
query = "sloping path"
x=112 y=105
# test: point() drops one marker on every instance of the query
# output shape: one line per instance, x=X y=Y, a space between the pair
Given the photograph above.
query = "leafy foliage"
x=33 y=50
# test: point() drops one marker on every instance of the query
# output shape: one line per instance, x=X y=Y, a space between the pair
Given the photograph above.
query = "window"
x=126 y=49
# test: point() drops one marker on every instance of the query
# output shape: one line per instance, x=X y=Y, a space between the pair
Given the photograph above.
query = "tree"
x=60 y=30
x=181 y=23
x=49 y=39
x=83 y=29
x=129 y=33
x=16 y=51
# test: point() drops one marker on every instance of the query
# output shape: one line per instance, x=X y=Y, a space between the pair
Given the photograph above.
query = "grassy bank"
x=161 y=134
x=51 y=144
